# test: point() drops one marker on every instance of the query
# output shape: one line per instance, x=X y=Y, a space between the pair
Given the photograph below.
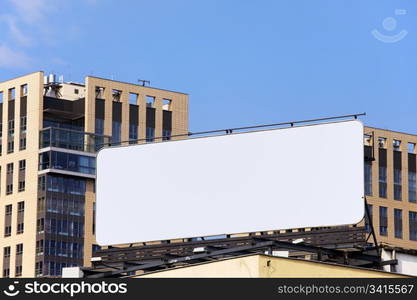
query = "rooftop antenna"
x=144 y=82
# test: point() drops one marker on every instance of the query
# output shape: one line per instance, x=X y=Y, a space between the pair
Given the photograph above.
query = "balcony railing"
x=72 y=139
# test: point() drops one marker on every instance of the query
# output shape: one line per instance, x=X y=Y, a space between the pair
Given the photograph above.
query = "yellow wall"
x=256 y=266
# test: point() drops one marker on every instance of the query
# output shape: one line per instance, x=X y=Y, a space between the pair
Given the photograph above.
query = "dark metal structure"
x=345 y=245
x=240 y=129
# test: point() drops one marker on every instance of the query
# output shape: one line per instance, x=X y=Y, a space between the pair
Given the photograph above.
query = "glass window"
x=11 y=128
x=150 y=134
x=397 y=184
x=67 y=161
x=367 y=219
x=116 y=132
x=383 y=221
x=412 y=216
x=412 y=186
x=133 y=133
x=382 y=182
x=411 y=147
x=166 y=135
x=368 y=178
x=398 y=223
x=99 y=126
x=23 y=124
x=133 y=98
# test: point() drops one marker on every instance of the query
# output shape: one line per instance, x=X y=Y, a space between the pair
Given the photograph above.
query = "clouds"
x=31 y=11
x=14 y=31
x=26 y=29
x=12 y=59
x=33 y=32
x=20 y=26
x=24 y=14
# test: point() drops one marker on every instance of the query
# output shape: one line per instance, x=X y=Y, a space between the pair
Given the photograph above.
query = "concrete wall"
x=268 y=266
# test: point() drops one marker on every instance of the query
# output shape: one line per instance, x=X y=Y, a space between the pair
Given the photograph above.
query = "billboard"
x=296 y=177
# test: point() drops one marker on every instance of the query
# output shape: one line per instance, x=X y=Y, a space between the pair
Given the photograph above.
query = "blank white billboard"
x=284 y=178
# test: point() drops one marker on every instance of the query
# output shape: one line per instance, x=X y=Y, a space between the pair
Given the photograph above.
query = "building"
x=390 y=186
x=256 y=266
x=49 y=134
x=266 y=266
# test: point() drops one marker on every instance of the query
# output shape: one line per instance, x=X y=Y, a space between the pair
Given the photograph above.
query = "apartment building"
x=49 y=134
x=390 y=186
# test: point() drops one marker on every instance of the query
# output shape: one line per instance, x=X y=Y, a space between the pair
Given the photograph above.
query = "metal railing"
x=72 y=139
x=234 y=130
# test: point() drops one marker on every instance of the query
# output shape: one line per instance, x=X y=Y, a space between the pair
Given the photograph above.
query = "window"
x=7 y=231
x=67 y=161
x=40 y=225
x=368 y=178
x=8 y=210
x=396 y=144
x=39 y=268
x=20 y=228
x=21 y=186
x=42 y=183
x=411 y=147
x=6 y=273
x=382 y=182
x=11 y=128
x=6 y=252
x=1 y=97
x=19 y=249
x=66 y=185
x=116 y=94
x=22 y=143
x=382 y=142
x=22 y=164
x=150 y=101
x=133 y=133
x=10 y=168
x=100 y=92
x=150 y=134
x=76 y=91
x=398 y=223
x=166 y=104
x=18 y=271
x=133 y=98
x=99 y=126
x=23 y=90
x=397 y=184
x=39 y=247
x=166 y=135
x=10 y=146
x=21 y=206
x=411 y=186
x=12 y=94
x=23 y=124
x=9 y=189
x=368 y=219
x=383 y=221
x=95 y=248
x=94 y=218
x=116 y=132
x=41 y=204
x=412 y=217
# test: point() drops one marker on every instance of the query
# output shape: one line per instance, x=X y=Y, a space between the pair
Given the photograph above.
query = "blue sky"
x=242 y=62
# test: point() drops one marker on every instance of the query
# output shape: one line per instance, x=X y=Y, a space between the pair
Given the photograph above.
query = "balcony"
x=68 y=162
x=72 y=140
